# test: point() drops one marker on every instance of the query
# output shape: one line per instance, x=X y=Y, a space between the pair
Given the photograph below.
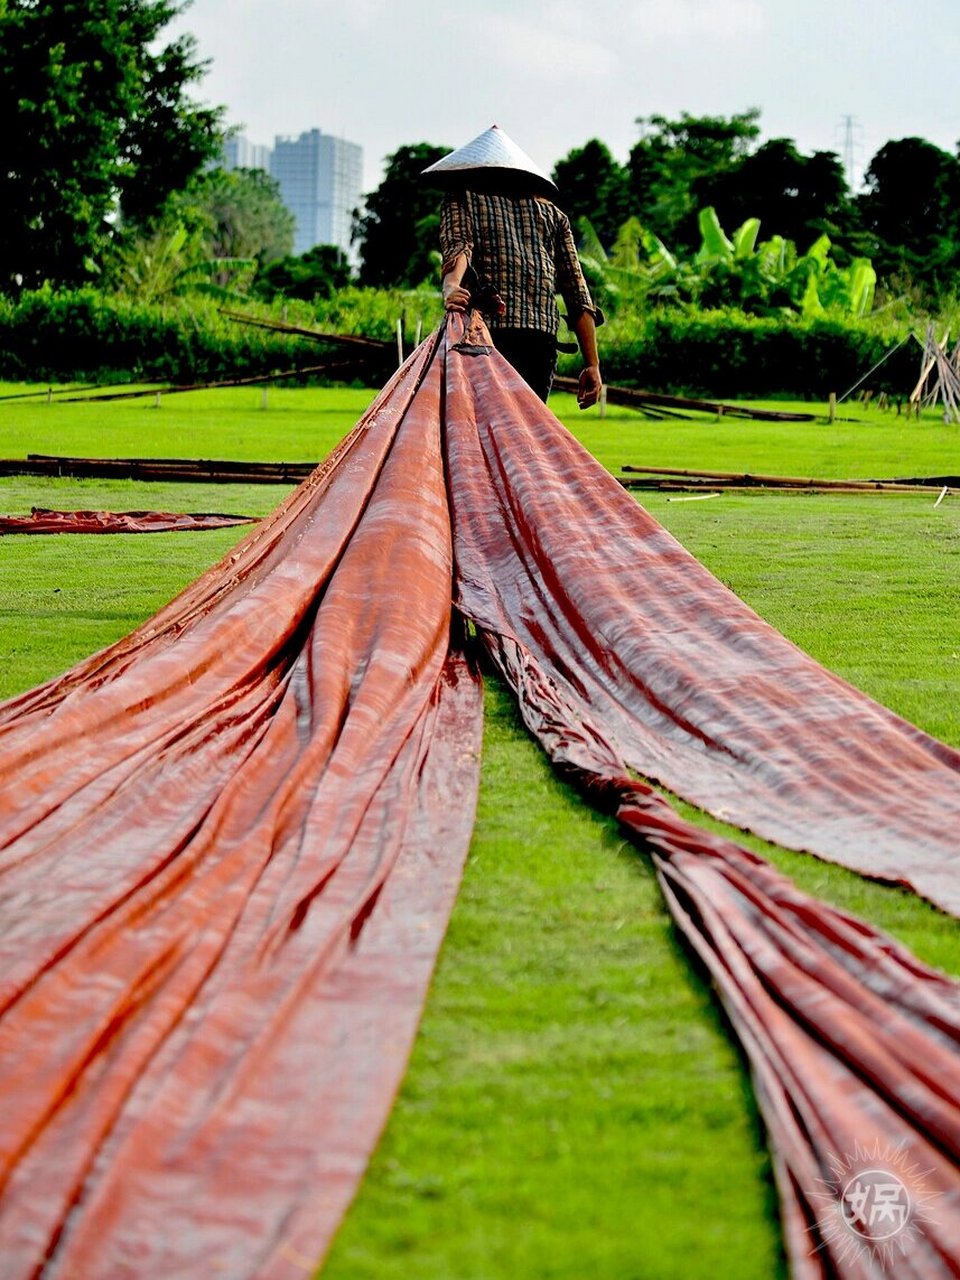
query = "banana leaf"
x=745 y=238
x=715 y=247
x=590 y=247
x=811 y=306
x=863 y=281
x=819 y=251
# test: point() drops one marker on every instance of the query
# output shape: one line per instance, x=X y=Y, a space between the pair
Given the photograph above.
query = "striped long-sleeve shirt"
x=521 y=246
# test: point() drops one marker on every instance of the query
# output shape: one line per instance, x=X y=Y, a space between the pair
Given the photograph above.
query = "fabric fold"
x=230 y=847
x=44 y=520
x=230 y=844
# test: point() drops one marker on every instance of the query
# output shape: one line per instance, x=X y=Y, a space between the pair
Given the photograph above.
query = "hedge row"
x=85 y=335
x=728 y=354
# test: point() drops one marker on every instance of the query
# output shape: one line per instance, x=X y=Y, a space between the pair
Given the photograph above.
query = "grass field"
x=575 y=1106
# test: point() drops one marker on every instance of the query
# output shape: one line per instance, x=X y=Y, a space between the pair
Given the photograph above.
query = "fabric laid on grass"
x=692 y=689
x=853 y=1044
x=41 y=520
x=624 y=652
x=229 y=845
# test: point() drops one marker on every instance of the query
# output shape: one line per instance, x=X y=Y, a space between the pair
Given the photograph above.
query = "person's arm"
x=591 y=384
x=582 y=313
x=456 y=246
x=455 y=296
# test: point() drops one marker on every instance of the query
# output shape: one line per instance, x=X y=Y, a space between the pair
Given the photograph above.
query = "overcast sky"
x=383 y=73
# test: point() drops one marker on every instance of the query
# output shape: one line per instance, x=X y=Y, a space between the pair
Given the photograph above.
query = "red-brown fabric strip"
x=43 y=520
x=852 y=1043
x=618 y=660
x=691 y=688
x=230 y=847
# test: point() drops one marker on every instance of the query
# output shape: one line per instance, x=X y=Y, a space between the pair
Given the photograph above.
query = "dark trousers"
x=532 y=353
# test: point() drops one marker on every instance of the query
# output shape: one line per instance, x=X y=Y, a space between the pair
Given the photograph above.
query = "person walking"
x=508 y=251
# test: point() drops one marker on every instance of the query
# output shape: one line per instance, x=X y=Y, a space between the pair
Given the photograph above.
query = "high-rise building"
x=240 y=153
x=320 y=179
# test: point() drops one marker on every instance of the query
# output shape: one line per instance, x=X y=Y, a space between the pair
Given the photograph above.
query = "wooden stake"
x=931 y=349
x=832 y=403
x=399 y=342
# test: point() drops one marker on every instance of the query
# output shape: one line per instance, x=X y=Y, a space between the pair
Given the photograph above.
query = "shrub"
x=728 y=353
x=84 y=334
x=50 y=335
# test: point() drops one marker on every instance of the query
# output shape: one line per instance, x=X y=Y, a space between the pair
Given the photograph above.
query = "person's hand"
x=455 y=297
x=591 y=384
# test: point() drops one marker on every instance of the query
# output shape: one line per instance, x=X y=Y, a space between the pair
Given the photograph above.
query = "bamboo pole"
x=630 y=398
x=328 y=366
x=751 y=480
x=931 y=347
x=337 y=339
x=180 y=469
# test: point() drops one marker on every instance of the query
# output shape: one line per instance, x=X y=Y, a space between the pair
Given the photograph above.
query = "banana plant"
x=739 y=269
x=169 y=263
x=717 y=248
x=638 y=268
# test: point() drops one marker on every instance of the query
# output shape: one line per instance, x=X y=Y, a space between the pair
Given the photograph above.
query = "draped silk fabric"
x=230 y=843
x=42 y=520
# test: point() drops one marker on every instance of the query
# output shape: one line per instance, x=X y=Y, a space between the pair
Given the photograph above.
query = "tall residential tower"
x=320 y=179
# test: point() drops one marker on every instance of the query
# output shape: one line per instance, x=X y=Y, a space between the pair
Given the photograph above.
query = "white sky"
x=383 y=73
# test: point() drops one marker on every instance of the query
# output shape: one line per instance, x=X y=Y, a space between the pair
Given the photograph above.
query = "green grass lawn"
x=575 y=1105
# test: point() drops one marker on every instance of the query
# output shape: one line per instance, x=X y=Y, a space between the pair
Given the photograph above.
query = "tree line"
x=906 y=219
x=110 y=177
x=110 y=172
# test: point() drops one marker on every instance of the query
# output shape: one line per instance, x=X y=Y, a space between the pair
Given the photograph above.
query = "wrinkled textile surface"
x=852 y=1042
x=41 y=520
x=230 y=844
x=230 y=847
x=624 y=652
x=691 y=687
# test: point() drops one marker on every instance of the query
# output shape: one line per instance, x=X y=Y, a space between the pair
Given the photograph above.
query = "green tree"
x=672 y=156
x=239 y=213
x=593 y=185
x=96 y=119
x=318 y=273
x=215 y=234
x=911 y=211
x=801 y=197
x=398 y=229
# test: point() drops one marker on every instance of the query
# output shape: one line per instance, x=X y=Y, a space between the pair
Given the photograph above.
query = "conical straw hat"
x=492 y=152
